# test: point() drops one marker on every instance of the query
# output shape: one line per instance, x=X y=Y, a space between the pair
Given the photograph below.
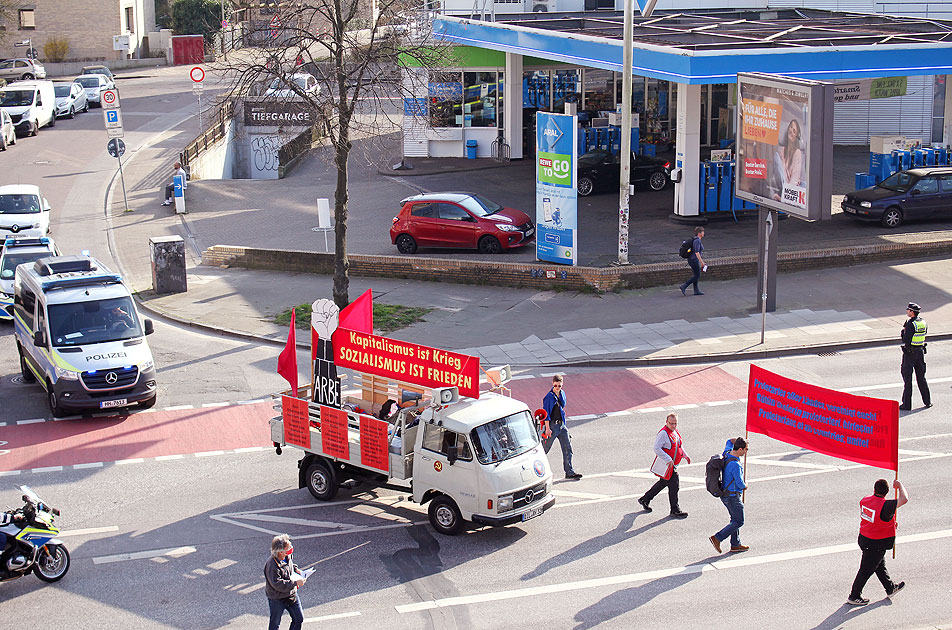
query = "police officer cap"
x=913 y=307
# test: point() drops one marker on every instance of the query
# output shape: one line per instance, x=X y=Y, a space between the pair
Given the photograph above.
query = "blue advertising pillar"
x=556 y=196
x=178 y=183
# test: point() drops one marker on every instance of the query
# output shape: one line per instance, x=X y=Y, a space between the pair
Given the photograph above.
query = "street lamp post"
x=625 y=157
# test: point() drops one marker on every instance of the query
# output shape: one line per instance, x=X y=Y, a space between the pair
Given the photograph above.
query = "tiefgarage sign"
x=407 y=362
x=278 y=115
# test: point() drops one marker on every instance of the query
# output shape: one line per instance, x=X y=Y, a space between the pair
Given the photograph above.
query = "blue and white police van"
x=16 y=251
x=79 y=335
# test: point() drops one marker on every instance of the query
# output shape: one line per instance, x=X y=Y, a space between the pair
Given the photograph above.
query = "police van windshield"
x=10 y=261
x=504 y=438
x=99 y=321
x=19 y=204
x=16 y=98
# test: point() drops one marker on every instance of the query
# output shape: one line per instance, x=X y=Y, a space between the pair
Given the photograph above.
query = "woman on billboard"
x=788 y=160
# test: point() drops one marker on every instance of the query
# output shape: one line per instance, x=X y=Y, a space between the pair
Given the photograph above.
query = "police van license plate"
x=534 y=512
x=106 y=404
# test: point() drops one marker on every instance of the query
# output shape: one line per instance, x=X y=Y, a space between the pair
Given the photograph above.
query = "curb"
x=413 y=172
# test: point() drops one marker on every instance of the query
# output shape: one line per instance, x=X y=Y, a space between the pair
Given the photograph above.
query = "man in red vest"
x=877 y=534
x=668 y=449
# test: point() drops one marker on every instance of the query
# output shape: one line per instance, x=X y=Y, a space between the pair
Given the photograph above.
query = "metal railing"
x=216 y=130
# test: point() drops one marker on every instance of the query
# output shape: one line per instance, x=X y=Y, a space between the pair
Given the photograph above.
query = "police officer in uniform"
x=913 y=357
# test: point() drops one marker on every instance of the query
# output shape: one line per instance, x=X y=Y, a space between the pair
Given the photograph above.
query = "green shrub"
x=55 y=49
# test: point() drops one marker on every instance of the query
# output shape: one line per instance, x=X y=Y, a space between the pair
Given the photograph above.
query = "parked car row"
x=27 y=105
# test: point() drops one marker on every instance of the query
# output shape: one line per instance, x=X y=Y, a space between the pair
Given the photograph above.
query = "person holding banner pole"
x=913 y=357
x=732 y=485
x=669 y=451
x=877 y=534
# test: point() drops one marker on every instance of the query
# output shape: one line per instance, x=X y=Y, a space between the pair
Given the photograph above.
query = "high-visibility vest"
x=870 y=525
x=919 y=336
x=675 y=452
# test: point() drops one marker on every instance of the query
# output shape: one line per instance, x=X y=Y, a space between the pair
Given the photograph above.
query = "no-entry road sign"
x=196 y=74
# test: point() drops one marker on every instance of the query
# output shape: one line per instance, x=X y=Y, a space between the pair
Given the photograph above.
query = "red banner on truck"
x=297 y=429
x=405 y=361
x=373 y=443
x=334 y=433
x=856 y=428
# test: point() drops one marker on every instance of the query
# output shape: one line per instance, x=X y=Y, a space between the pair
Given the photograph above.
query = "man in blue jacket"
x=732 y=485
x=553 y=427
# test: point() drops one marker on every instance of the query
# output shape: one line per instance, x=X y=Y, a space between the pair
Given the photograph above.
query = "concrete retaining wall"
x=540 y=275
x=218 y=160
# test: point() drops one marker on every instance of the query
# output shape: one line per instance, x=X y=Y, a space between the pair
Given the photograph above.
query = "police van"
x=17 y=251
x=78 y=334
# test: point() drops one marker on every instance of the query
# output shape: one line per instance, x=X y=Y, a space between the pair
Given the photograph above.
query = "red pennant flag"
x=314 y=338
x=359 y=314
x=287 y=360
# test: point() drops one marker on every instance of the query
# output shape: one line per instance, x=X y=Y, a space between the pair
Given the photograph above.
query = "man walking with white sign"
x=668 y=453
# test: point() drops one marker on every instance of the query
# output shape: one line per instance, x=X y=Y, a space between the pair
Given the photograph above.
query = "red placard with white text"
x=856 y=428
x=373 y=443
x=296 y=424
x=334 y=433
x=405 y=361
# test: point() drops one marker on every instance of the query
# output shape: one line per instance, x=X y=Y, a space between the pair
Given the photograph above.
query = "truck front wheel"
x=321 y=481
x=445 y=516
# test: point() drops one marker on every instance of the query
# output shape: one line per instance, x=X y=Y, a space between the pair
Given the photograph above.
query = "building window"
x=27 y=20
x=446 y=99
x=481 y=91
x=535 y=90
x=130 y=20
x=599 y=90
x=566 y=88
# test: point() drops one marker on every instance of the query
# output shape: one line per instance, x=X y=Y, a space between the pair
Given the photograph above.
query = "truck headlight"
x=505 y=227
x=66 y=375
x=548 y=486
x=146 y=366
x=865 y=204
x=504 y=504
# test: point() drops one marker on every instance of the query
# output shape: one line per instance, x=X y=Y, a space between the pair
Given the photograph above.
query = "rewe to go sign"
x=555 y=168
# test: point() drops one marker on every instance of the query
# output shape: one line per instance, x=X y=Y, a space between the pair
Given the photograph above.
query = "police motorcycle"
x=32 y=543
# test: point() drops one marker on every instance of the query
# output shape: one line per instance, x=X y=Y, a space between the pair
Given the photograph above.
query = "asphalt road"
x=171 y=513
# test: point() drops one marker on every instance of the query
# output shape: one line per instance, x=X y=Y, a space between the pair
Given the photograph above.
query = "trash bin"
x=471 y=149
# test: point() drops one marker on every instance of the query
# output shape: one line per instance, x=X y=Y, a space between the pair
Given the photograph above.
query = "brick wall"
x=544 y=276
x=88 y=25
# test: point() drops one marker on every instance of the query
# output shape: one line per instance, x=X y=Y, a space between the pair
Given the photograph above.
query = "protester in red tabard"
x=877 y=534
x=668 y=447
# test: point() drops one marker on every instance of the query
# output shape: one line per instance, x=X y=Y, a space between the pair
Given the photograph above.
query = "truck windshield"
x=100 y=321
x=504 y=438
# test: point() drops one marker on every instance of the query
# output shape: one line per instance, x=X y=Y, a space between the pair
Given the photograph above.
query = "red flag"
x=359 y=314
x=287 y=360
x=314 y=338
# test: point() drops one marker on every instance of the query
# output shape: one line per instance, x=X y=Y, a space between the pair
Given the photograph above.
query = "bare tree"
x=8 y=18
x=356 y=49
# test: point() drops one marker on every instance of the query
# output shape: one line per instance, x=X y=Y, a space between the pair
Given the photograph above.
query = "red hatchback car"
x=463 y=220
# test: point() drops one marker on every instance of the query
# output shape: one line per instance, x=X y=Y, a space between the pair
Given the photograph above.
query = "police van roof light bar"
x=23 y=241
x=82 y=281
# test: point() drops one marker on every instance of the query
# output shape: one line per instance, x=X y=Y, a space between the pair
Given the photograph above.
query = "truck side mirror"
x=39 y=338
x=452 y=454
x=149 y=327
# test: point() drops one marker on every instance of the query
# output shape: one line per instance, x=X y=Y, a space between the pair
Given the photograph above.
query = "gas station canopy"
x=712 y=46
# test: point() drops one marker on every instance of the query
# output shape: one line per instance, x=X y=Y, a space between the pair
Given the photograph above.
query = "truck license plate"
x=106 y=404
x=848 y=209
x=534 y=512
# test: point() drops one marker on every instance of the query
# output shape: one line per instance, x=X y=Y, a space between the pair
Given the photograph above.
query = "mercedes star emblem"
x=111 y=378
x=529 y=496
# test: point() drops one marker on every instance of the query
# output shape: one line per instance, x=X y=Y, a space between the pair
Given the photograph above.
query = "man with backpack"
x=693 y=253
x=731 y=486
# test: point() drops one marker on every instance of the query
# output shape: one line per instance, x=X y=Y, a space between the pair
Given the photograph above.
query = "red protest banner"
x=373 y=443
x=296 y=429
x=857 y=428
x=334 y=433
x=407 y=362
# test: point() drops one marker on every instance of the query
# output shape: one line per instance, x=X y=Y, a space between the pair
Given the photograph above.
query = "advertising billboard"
x=785 y=144
x=556 y=197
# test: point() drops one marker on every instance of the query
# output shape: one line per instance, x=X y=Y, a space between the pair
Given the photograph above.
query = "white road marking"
x=944 y=379
x=175 y=552
x=903 y=451
x=612 y=414
x=578 y=495
x=251 y=402
x=719 y=403
x=219 y=404
x=617 y=580
x=9 y=473
x=355 y=613
x=179 y=407
x=686 y=406
x=31 y=421
x=773 y=462
x=651 y=409
x=165 y=458
x=134 y=460
x=48 y=469
x=89 y=465
x=90 y=530
x=250 y=449
x=587 y=416
x=209 y=453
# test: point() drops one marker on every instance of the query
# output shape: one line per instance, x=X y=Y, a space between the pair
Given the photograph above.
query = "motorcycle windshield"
x=31 y=496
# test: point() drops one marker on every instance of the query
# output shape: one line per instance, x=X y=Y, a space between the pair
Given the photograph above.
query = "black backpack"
x=686 y=245
x=714 y=474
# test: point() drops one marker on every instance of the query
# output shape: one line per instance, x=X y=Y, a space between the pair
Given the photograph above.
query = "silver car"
x=70 y=98
x=8 y=131
x=23 y=68
x=94 y=85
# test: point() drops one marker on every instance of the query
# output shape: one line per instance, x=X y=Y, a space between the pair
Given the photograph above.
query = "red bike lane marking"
x=137 y=435
x=621 y=390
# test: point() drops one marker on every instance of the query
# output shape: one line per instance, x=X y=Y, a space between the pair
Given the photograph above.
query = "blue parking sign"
x=112 y=116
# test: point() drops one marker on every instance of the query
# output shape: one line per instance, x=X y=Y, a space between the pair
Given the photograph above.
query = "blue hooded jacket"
x=733 y=471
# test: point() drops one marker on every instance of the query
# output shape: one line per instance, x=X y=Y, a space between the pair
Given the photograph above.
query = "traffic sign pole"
x=122 y=179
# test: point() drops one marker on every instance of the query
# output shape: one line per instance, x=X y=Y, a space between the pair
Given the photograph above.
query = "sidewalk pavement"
x=819 y=310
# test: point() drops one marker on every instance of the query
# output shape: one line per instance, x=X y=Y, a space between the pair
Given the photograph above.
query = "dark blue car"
x=918 y=193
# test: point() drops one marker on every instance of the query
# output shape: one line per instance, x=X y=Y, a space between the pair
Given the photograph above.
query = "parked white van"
x=79 y=335
x=31 y=105
x=23 y=211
